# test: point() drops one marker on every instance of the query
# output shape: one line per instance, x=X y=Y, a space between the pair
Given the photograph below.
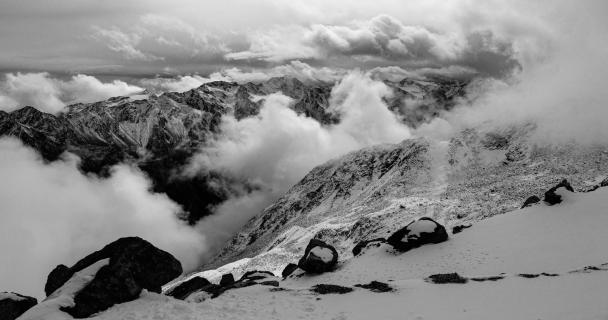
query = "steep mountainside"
x=365 y=194
x=159 y=133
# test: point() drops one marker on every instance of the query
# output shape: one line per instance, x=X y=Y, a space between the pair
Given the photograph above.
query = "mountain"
x=159 y=133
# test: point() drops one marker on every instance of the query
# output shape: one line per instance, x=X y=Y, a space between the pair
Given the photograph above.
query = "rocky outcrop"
x=186 y=288
x=226 y=280
x=134 y=264
x=376 y=286
x=12 y=305
x=362 y=245
x=443 y=278
x=288 y=270
x=530 y=201
x=420 y=232
x=330 y=289
x=318 y=257
x=552 y=198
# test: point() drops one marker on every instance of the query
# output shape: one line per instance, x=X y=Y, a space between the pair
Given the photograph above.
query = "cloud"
x=51 y=95
x=124 y=43
x=278 y=147
x=52 y=214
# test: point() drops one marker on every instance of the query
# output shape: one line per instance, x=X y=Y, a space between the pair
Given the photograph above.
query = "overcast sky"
x=143 y=38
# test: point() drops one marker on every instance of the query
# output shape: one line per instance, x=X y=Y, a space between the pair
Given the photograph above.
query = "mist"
x=275 y=149
x=53 y=214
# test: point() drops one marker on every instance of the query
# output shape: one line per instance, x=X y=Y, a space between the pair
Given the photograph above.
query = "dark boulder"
x=256 y=275
x=12 y=305
x=227 y=279
x=186 y=288
x=318 y=257
x=530 y=201
x=134 y=265
x=552 y=198
x=289 y=269
x=459 y=228
x=417 y=233
x=330 y=289
x=376 y=286
x=604 y=183
x=443 y=278
x=366 y=244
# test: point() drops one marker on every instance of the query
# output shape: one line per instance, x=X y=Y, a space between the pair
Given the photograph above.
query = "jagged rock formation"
x=12 y=305
x=160 y=133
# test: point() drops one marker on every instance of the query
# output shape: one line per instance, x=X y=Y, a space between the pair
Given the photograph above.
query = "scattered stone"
x=417 y=233
x=549 y=274
x=529 y=275
x=366 y=244
x=530 y=201
x=134 y=265
x=443 y=278
x=552 y=198
x=256 y=275
x=459 y=228
x=289 y=269
x=186 y=288
x=227 y=279
x=490 y=278
x=12 y=305
x=330 y=289
x=376 y=286
x=318 y=257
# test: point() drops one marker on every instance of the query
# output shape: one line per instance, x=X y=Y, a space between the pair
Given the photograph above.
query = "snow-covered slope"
x=550 y=263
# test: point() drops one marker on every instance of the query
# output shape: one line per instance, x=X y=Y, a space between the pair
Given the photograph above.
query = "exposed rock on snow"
x=420 y=232
x=12 y=305
x=551 y=197
x=226 y=280
x=134 y=265
x=460 y=227
x=530 y=201
x=289 y=269
x=376 y=286
x=318 y=257
x=330 y=289
x=186 y=288
x=443 y=278
x=362 y=245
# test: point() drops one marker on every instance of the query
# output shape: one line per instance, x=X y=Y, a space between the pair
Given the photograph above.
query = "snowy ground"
x=561 y=239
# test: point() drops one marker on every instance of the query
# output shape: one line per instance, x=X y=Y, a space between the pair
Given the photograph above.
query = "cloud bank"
x=52 y=214
x=51 y=95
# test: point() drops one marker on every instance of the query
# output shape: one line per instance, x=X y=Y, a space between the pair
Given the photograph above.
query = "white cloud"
x=49 y=94
x=52 y=214
x=124 y=43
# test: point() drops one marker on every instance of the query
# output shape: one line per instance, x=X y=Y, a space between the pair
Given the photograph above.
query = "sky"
x=145 y=38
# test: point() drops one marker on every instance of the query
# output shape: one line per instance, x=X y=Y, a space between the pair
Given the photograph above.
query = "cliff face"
x=160 y=133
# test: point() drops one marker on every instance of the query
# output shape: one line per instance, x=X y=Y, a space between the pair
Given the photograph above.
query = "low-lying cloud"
x=52 y=214
x=51 y=95
x=278 y=147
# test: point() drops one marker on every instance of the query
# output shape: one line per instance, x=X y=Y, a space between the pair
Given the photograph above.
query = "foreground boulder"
x=552 y=198
x=226 y=280
x=417 y=233
x=134 y=264
x=186 y=288
x=12 y=305
x=318 y=257
x=362 y=245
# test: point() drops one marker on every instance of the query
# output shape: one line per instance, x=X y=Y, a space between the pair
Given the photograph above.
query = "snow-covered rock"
x=12 y=305
x=318 y=257
x=420 y=232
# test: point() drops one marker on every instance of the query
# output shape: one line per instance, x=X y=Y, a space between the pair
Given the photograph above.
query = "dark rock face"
x=366 y=244
x=11 y=309
x=407 y=238
x=552 y=198
x=376 y=286
x=330 y=289
x=443 y=278
x=459 y=228
x=134 y=265
x=314 y=263
x=227 y=279
x=530 y=201
x=186 y=288
x=289 y=269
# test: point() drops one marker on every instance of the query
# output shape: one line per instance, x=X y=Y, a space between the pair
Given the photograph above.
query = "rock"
x=318 y=257
x=12 y=305
x=227 y=279
x=442 y=278
x=256 y=275
x=604 y=183
x=490 y=278
x=552 y=198
x=330 y=289
x=376 y=286
x=186 y=288
x=272 y=283
x=366 y=244
x=529 y=275
x=289 y=269
x=459 y=228
x=134 y=265
x=417 y=233
x=530 y=201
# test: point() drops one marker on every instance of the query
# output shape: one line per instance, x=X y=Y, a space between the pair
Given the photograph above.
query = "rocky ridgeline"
x=160 y=133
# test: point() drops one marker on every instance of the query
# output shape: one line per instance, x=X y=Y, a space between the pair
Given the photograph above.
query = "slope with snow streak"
x=557 y=239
